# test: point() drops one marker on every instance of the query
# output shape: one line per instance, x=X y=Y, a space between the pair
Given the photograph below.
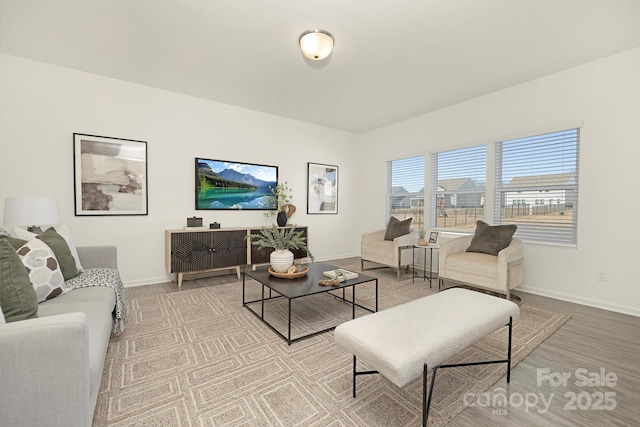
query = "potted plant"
x=421 y=237
x=281 y=240
x=281 y=203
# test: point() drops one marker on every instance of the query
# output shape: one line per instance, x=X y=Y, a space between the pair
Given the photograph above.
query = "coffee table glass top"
x=305 y=285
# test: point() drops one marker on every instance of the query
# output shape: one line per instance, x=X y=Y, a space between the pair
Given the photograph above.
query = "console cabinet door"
x=191 y=251
x=206 y=250
x=229 y=248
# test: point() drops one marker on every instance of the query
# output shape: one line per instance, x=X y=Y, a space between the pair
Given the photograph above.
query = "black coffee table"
x=302 y=287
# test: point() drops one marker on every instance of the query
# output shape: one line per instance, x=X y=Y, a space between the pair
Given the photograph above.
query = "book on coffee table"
x=332 y=274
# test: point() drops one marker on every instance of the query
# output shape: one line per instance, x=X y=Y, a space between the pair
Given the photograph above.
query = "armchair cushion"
x=490 y=239
x=397 y=228
x=476 y=264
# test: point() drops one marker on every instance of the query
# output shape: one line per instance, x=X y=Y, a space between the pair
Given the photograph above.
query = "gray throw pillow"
x=491 y=239
x=397 y=228
x=17 y=296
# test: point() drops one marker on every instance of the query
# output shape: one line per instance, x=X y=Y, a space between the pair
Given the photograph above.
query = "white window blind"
x=457 y=187
x=405 y=190
x=536 y=186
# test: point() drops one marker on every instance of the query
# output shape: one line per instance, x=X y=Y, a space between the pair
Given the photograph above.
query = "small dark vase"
x=282 y=218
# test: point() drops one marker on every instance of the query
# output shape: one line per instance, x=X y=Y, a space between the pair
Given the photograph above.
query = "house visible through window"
x=526 y=169
x=405 y=190
x=458 y=183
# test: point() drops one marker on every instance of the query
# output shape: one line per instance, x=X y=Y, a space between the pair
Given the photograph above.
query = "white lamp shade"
x=316 y=44
x=31 y=211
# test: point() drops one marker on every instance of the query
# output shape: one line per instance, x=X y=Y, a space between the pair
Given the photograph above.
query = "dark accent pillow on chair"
x=491 y=239
x=397 y=228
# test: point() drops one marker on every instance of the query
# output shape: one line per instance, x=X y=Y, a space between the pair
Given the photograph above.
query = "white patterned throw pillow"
x=43 y=268
x=63 y=230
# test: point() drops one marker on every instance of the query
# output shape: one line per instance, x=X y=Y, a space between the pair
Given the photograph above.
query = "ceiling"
x=393 y=59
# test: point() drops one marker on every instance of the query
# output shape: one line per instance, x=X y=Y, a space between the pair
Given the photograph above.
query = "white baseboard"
x=134 y=283
x=583 y=301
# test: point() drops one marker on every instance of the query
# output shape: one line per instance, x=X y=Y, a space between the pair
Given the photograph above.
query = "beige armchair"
x=374 y=248
x=499 y=273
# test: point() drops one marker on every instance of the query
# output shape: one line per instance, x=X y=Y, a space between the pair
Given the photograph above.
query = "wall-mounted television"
x=223 y=185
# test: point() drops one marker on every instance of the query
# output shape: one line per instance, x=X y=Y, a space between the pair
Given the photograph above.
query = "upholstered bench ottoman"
x=407 y=340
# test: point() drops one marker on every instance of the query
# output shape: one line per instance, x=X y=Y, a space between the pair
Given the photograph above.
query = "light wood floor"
x=591 y=341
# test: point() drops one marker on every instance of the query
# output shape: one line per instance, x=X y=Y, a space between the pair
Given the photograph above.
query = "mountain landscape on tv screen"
x=230 y=178
x=230 y=189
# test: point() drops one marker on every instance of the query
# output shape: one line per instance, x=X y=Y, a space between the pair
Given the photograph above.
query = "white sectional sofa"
x=51 y=366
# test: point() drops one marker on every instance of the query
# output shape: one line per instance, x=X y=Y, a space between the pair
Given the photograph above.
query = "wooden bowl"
x=295 y=275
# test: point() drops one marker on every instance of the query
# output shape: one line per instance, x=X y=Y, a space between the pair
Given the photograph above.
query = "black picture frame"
x=110 y=176
x=322 y=189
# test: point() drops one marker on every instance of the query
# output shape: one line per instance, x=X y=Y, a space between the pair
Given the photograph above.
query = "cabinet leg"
x=180 y=275
x=238 y=271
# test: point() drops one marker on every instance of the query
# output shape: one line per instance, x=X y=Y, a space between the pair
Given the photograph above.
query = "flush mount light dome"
x=316 y=44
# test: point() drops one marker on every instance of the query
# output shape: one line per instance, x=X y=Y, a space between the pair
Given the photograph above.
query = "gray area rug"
x=198 y=358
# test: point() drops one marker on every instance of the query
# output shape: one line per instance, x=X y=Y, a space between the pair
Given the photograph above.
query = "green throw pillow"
x=60 y=248
x=491 y=239
x=397 y=228
x=13 y=241
x=17 y=296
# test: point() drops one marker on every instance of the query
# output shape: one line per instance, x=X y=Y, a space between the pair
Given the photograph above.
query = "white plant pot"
x=281 y=260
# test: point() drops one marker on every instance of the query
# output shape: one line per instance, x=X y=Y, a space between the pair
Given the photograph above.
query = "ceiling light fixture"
x=316 y=44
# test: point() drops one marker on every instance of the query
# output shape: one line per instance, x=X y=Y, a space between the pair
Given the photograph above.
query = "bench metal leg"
x=356 y=373
x=426 y=398
x=509 y=350
x=354 y=376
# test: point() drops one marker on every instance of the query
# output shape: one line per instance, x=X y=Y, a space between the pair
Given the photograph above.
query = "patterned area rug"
x=198 y=358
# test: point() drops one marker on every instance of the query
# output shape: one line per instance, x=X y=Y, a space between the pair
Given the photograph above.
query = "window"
x=529 y=166
x=535 y=186
x=405 y=190
x=458 y=182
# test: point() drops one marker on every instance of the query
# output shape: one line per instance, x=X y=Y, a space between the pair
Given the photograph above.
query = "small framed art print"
x=110 y=176
x=322 y=189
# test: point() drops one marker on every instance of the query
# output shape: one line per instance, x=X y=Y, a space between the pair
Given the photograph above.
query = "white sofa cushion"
x=97 y=304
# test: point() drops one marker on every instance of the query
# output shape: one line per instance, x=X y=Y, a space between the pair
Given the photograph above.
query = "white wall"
x=605 y=95
x=41 y=106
